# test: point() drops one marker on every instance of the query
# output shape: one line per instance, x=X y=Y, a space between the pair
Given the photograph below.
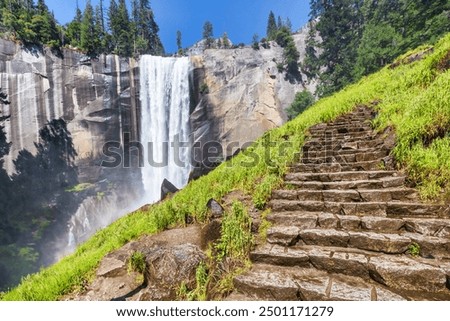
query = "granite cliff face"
x=98 y=99
x=240 y=94
x=99 y=102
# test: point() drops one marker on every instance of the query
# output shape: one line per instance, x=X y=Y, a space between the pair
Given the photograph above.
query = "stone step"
x=352 y=195
x=238 y=297
x=310 y=158
x=398 y=272
x=330 y=136
x=346 y=144
x=340 y=152
x=266 y=282
x=380 y=209
x=312 y=220
x=431 y=227
x=347 y=130
x=388 y=182
x=341 y=176
x=343 y=126
x=341 y=159
x=389 y=243
x=338 y=167
x=360 y=121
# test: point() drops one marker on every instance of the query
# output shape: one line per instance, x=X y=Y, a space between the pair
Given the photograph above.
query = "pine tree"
x=90 y=36
x=288 y=24
x=147 y=30
x=100 y=30
x=302 y=101
x=120 y=25
x=311 y=63
x=100 y=14
x=179 y=43
x=73 y=30
x=279 y=23
x=208 y=34
x=134 y=27
x=341 y=27
x=44 y=25
x=379 y=45
x=316 y=9
x=226 y=41
x=112 y=23
x=271 y=26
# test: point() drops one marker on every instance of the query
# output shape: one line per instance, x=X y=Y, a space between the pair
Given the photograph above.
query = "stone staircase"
x=344 y=228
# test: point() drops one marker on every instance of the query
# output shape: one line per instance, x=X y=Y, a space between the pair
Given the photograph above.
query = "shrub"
x=302 y=101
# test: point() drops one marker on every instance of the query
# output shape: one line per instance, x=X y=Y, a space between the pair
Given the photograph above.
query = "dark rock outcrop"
x=215 y=208
x=167 y=188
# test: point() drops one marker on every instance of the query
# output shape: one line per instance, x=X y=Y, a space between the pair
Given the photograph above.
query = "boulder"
x=167 y=188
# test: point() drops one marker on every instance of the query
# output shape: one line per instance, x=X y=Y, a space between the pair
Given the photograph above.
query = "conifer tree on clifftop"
x=90 y=36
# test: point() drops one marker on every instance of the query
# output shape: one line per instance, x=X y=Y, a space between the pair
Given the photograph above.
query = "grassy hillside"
x=413 y=98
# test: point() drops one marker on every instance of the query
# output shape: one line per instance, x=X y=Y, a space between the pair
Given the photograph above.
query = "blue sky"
x=239 y=18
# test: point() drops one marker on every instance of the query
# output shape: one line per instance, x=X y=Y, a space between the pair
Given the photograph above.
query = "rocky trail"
x=347 y=227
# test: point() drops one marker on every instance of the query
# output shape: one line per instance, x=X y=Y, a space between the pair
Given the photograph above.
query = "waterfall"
x=165 y=102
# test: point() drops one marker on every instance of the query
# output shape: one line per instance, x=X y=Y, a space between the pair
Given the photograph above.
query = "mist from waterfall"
x=165 y=102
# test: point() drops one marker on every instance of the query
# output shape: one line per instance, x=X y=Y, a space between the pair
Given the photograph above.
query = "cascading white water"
x=165 y=101
x=165 y=105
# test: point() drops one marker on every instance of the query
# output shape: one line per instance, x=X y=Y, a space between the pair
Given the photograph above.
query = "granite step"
x=365 y=125
x=388 y=182
x=344 y=229
x=349 y=130
x=338 y=167
x=351 y=195
x=341 y=176
x=341 y=136
x=389 y=243
x=310 y=158
x=346 y=144
x=380 y=209
x=398 y=272
x=313 y=220
x=266 y=282
x=341 y=152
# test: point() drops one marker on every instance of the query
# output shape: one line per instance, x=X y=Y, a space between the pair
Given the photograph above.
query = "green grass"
x=137 y=263
x=236 y=239
x=414 y=99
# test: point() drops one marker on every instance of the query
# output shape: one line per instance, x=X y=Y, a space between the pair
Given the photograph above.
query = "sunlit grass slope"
x=414 y=98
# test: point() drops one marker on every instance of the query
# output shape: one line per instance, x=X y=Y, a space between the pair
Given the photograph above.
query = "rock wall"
x=240 y=94
x=98 y=99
